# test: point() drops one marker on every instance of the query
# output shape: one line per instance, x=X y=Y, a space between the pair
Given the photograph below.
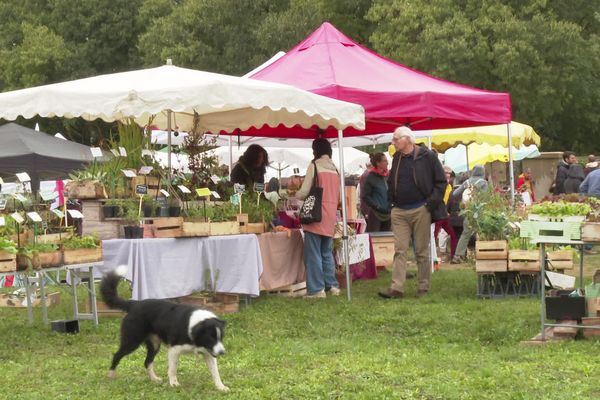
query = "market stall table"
x=174 y=267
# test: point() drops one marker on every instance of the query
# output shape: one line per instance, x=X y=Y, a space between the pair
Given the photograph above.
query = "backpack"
x=469 y=190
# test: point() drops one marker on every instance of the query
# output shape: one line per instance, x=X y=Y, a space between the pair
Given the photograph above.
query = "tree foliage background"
x=546 y=53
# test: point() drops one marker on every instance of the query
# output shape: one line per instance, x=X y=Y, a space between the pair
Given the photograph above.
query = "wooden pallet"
x=295 y=290
x=524 y=260
x=219 y=303
x=80 y=256
x=587 y=321
x=383 y=249
x=560 y=259
x=8 y=262
x=551 y=230
x=167 y=227
x=590 y=232
x=491 y=250
x=491 y=265
x=194 y=229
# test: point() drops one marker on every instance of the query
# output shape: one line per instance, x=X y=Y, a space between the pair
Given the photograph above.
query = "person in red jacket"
x=525 y=183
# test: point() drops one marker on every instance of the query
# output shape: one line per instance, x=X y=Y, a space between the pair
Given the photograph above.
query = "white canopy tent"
x=170 y=96
x=283 y=161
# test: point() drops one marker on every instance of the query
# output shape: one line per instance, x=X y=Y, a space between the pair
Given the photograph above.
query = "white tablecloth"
x=169 y=268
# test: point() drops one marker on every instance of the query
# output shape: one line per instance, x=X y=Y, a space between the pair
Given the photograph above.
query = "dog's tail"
x=108 y=288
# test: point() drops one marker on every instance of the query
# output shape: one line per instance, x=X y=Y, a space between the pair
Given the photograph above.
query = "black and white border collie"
x=182 y=327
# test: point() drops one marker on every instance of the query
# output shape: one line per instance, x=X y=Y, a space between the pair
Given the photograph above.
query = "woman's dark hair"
x=321 y=147
x=251 y=156
x=375 y=158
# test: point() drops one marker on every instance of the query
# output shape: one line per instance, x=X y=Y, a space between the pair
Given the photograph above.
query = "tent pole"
x=510 y=164
x=169 y=147
x=230 y=155
x=344 y=216
x=467 y=156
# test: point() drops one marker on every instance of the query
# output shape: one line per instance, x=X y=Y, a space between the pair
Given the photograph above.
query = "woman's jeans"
x=318 y=259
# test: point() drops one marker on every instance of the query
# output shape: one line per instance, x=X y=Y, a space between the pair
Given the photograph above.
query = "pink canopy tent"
x=329 y=63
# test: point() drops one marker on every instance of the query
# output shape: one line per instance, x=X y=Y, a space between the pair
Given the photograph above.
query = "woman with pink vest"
x=318 y=236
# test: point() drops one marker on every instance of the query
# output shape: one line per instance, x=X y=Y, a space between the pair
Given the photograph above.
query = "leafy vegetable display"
x=490 y=215
x=32 y=249
x=84 y=242
x=8 y=246
x=561 y=208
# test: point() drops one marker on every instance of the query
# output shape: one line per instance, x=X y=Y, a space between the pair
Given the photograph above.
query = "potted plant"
x=111 y=208
x=8 y=253
x=174 y=207
x=81 y=249
x=132 y=227
x=150 y=207
x=87 y=183
x=490 y=214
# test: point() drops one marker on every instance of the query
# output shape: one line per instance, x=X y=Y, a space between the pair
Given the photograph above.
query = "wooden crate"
x=551 y=230
x=167 y=227
x=103 y=309
x=590 y=232
x=491 y=265
x=196 y=228
x=491 y=250
x=561 y=259
x=94 y=223
x=80 y=256
x=8 y=262
x=51 y=238
x=295 y=290
x=40 y=260
x=219 y=303
x=383 y=249
x=587 y=321
x=9 y=300
x=224 y=228
x=524 y=260
x=152 y=182
x=85 y=190
x=253 y=227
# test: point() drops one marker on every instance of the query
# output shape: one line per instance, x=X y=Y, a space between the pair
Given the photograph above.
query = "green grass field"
x=448 y=345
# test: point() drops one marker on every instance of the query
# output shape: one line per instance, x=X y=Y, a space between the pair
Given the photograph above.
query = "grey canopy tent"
x=42 y=156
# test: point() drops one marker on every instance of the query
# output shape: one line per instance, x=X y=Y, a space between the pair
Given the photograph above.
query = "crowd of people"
x=412 y=198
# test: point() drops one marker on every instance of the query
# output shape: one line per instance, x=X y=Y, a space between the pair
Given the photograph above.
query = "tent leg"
x=230 y=156
x=344 y=216
x=169 y=129
x=510 y=164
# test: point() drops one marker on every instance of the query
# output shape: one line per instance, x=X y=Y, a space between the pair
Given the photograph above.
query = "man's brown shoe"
x=391 y=294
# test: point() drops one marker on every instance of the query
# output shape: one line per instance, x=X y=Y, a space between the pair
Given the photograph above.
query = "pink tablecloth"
x=283 y=259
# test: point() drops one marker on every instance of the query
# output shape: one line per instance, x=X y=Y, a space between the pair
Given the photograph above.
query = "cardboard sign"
x=184 y=189
x=35 y=217
x=145 y=170
x=215 y=179
x=20 y=197
x=47 y=196
x=122 y=151
x=129 y=173
x=58 y=213
x=141 y=189
x=215 y=195
x=164 y=192
x=23 y=177
x=259 y=187
x=75 y=214
x=96 y=152
x=203 y=192
x=2 y=204
x=17 y=217
x=115 y=153
x=237 y=188
x=2 y=221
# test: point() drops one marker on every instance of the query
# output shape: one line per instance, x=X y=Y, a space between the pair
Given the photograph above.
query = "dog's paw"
x=111 y=374
x=156 y=379
x=174 y=382
x=223 y=388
